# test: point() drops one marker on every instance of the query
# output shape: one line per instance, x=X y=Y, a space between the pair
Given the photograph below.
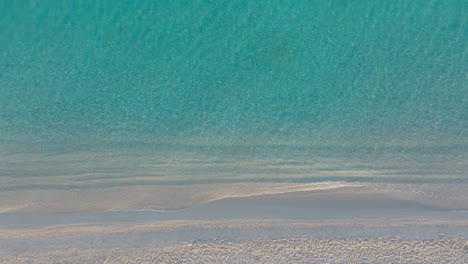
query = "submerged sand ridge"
x=143 y=197
x=177 y=177
x=129 y=198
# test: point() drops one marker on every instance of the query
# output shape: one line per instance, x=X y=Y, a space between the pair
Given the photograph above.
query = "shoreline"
x=322 y=222
x=182 y=197
x=325 y=204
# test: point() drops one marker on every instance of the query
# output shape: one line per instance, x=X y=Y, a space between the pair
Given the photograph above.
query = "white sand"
x=241 y=241
x=315 y=226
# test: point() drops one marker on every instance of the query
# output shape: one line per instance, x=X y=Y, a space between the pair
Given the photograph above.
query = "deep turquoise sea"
x=191 y=91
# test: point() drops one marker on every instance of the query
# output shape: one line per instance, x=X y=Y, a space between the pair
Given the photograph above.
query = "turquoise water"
x=377 y=86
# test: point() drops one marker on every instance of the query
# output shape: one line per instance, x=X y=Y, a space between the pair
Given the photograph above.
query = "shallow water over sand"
x=123 y=113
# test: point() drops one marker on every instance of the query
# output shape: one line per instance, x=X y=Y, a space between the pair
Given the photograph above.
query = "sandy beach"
x=315 y=226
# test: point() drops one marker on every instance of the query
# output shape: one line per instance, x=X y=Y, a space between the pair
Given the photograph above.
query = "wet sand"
x=325 y=226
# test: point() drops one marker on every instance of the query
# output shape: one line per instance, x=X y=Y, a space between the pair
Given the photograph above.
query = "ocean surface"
x=98 y=95
x=233 y=131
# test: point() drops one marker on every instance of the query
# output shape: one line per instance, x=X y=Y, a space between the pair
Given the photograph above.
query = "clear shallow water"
x=99 y=94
